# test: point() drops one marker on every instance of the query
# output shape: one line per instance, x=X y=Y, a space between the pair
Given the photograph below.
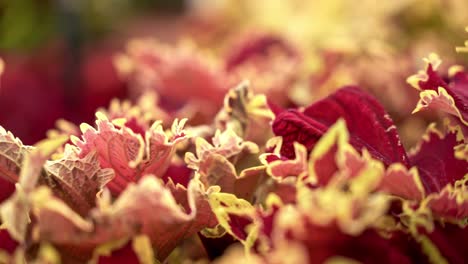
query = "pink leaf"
x=127 y=153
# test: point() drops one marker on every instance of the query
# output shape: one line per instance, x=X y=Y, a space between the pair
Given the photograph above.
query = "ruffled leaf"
x=347 y=177
x=226 y=144
x=127 y=153
x=435 y=93
x=401 y=182
x=234 y=215
x=214 y=163
x=15 y=211
x=435 y=158
x=12 y=152
x=131 y=214
x=451 y=202
x=247 y=114
x=332 y=161
x=138 y=116
x=281 y=169
x=77 y=181
x=337 y=210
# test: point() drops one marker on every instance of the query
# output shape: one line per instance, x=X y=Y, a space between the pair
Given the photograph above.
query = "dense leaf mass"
x=242 y=153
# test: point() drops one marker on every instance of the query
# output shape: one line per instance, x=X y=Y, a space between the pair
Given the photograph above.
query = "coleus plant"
x=359 y=196
x=329 y=182
x=65 y=203
x=269 y=61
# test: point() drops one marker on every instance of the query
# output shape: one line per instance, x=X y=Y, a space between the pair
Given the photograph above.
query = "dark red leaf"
x=7 y=243
x=437 y=163
x=370 y=127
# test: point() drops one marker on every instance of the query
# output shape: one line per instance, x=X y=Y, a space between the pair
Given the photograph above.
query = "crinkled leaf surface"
x=145 y=208
x=127 y=153
x=76 y=181
x=12 y=152
x=215 y=166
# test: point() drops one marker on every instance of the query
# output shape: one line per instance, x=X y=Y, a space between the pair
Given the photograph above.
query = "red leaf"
x=7 y=243
x=449 y=95
x=436 y=161
x=369 y=125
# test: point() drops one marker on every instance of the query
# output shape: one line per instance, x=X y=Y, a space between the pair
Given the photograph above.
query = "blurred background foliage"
x=59 y=53
x=59 y=57
x=26 y=24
